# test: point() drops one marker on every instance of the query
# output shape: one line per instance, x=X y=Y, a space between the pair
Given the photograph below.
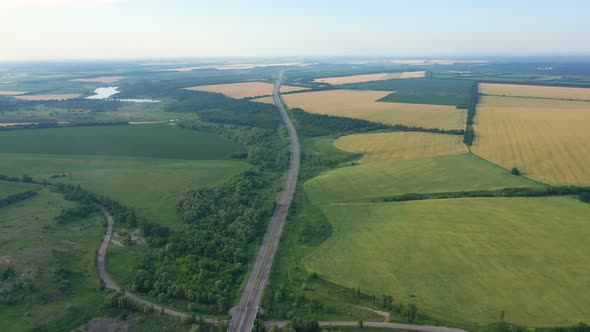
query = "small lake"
x=107 y=92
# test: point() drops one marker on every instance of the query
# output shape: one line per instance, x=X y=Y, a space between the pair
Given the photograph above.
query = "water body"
x=106 y=93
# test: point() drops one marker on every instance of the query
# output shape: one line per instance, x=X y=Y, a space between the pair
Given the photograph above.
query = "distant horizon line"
x=305 y=57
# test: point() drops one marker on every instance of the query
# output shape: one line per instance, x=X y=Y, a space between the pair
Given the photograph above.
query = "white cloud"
x=53 y=3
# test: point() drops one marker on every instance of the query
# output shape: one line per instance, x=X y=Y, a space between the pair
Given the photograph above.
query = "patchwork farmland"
x=362 y=104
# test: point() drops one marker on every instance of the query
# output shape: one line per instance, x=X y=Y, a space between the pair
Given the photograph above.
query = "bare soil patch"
x=100 y=79
x=63 y=96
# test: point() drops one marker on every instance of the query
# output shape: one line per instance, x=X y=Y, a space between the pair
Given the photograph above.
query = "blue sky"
x=67 y=29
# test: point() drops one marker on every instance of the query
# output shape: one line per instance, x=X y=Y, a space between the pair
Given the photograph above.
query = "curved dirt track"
x=110 y=284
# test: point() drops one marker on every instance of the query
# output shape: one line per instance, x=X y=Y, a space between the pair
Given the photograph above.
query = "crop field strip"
x=534 y=91
x=541 y=137
x=63 y=96
x=369 y=77
x=362 y=104
x=244 y=90
x=400 y=145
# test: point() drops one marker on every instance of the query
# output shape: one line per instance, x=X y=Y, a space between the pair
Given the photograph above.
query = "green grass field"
x=433 y=174
x=465 y=260
x=37 y=247
x=421 y=91
x=158 y=141
x=11 y=188
x=149 y=185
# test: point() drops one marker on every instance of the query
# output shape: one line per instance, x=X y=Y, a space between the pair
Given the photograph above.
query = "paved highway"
x=245 y=313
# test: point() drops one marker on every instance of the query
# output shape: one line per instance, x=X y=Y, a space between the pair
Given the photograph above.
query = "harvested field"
x=361 y=104
x=461 y=259
x=400 y=145
x=368 y=77
x=266 y=100
x=244 y=90
x=432 y=62
x=543 y=138
x=11 y=93
x=63 y=96
x=100 y=79
x=534 y=91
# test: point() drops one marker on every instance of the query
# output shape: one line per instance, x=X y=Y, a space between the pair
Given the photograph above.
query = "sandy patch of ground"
x=9 y=124
x=245 y=89
x=100 y=79
x=362 y=104
x=135 y=237
x=534 y=91
x=63 y=96
x=11 y=93
x=6 y=260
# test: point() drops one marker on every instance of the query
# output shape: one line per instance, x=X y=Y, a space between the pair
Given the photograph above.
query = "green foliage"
x=420 y=91
x=471 y=108
x=215 y=107
x=160 y=141
x=505 y=192
x=515 y=171
x=12 y=199
x=204 y=261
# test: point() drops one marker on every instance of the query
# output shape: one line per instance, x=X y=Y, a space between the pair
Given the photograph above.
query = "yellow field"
x=11 y=93
x=361 y=104
x=400 y=145
x=546 y=139
x=63 y=96
x=552 y=92
x=266 y=100
x=369 y=77
x=244 y=90
x=101 y=79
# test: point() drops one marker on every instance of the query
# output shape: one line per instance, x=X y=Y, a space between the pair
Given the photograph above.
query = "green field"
x=465 y=260
x=157 y=141
x=55 y=265
x=11 y=188
x=149 y=185
x=423 y=175
x=420 y=91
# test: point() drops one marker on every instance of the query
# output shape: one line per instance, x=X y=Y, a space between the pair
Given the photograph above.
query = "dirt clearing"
x=64 y=96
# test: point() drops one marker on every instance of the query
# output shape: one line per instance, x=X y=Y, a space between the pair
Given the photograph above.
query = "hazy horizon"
x=150 y=29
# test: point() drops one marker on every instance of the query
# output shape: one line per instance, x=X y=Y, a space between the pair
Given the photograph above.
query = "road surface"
x=245 y=313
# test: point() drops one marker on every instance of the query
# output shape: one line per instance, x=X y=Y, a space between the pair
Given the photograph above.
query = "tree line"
x=469 y=135
x=12 y=199
x=583 y=193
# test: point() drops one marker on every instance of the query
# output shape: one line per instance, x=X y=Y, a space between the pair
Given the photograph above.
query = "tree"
x=515 y=171
x=361 y=324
